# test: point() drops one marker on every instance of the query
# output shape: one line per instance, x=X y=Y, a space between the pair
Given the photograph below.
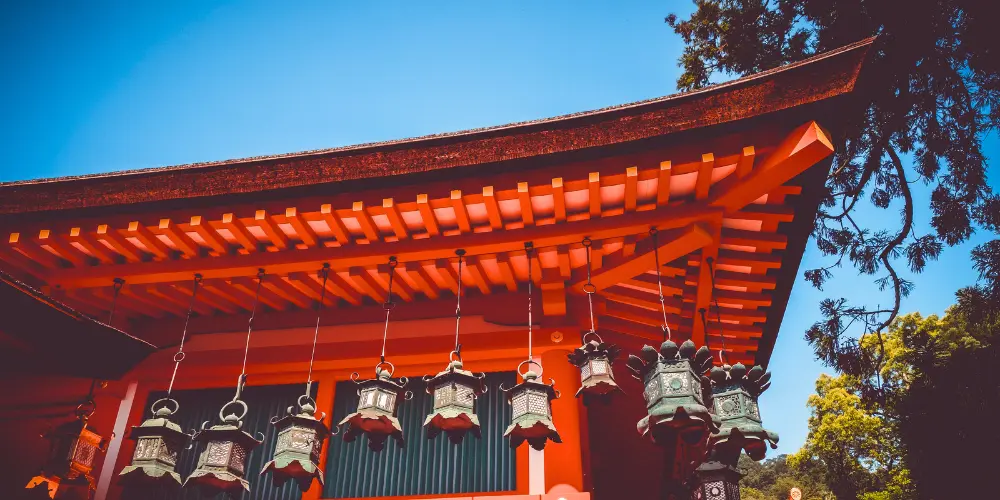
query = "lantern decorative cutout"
x=73 y=449
x=455 y=391
x=677 y=396
x=594 y=359
x=222 y=463
x=301 y=434
x=735 y=391
x=378 y=400
x=158 y=442
x=714 y=480
x=531 y=401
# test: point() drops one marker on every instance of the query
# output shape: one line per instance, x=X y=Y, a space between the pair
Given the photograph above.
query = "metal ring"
x=591 y=332
x=587 y=242
x=393 y=261
x=308 y=399
x=179 y=356
x=653 y=231
x=403 y=381
x=529 y=362
x=455 y=356
x=388 y=306
x=166 y=402
x=355 y=376
x=408 y=395
x=590 y=288
x=236 y=402
x=86 y=408
x=391 y=366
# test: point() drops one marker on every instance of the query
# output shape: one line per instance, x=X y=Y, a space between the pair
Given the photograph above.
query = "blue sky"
x=125 y=85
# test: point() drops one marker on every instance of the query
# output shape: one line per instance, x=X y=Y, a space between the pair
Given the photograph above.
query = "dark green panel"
x=198 y=406
x=424 y=467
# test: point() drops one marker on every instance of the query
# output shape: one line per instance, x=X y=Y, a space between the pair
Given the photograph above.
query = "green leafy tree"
x=932 y=94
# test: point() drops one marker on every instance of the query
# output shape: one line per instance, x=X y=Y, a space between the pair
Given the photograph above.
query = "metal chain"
x=118 y=284
x=458 y=304
x=253 y=313
x=589 y=287
x=325 y=273
x=388 y=305
x=659 y=285
x=528 y=247
x=718 y=314
x=180 y=355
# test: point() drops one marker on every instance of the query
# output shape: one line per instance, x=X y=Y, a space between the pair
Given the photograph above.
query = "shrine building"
x=706 y=197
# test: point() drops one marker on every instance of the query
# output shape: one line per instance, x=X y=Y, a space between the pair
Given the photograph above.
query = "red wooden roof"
x=729 y=174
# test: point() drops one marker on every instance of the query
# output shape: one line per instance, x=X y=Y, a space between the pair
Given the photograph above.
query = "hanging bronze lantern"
x=455 y=391
x=677 y=396
x=73 y=448
x=378 y=400
x=594 y=357
x=735 y=392
x=222 y=463
x=301 y=432
x=158 y=442
x=531 y=401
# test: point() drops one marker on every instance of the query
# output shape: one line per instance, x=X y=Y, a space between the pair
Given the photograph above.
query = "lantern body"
x=300 y=440
x=677 y=396
x=378 y=399
x=73 y=449
x=455 y=391
x=531 y=403
x=597 y=379
x=158 y=441
x=735 y=401
x=222 y=463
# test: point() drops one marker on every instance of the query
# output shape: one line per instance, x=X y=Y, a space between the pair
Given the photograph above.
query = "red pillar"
x=564 y=461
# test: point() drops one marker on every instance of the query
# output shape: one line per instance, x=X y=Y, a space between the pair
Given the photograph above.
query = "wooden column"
x=564 y=461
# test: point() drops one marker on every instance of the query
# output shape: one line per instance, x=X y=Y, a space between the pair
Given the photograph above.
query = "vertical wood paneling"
x=424 y=467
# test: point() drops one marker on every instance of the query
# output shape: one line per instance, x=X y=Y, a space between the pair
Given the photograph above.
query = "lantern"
x=677 y=396
x=222 y=463
x=735 y=393
x=73 y=449
x=594 y=359
x=157 y=442
x=455 y=391
x=531 y=401
x=714 y=480
x=300 y=439
x=378 y=400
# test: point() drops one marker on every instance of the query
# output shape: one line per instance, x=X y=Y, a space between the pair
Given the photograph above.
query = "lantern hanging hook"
x=388 y=305
x=118 y=283
x=665 y=327
x=718 y=313
x=458 y=302
x=590 y=290
x=325 y=274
